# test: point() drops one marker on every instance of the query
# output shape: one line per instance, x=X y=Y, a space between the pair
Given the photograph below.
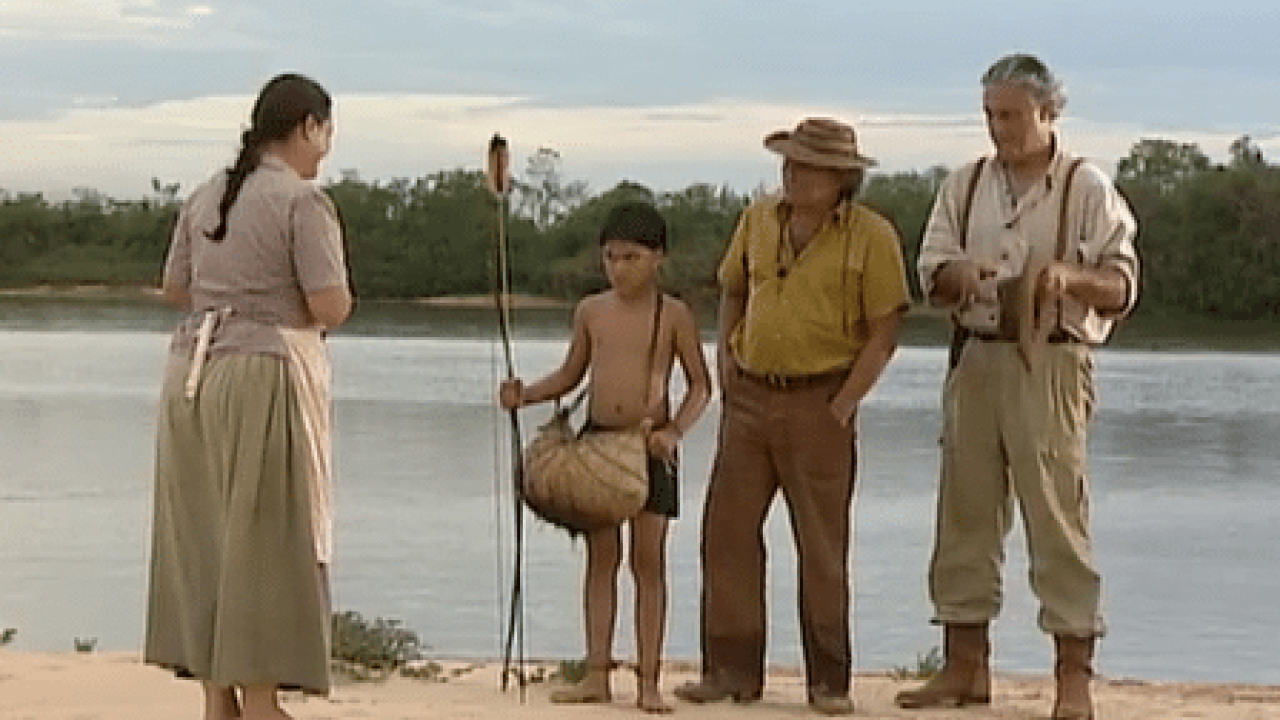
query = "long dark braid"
x=284 y=103
x=246 y=162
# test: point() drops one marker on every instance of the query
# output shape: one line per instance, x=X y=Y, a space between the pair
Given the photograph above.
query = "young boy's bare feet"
x=268 y=714
x=220 y=703
x=650 y=700
x=262 y=703
x=594 y=688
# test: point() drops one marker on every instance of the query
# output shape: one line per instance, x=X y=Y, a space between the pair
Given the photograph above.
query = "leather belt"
x=785 y=381
x=1057 y=337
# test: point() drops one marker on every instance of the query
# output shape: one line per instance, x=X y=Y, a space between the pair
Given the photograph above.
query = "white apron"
x=312 y=377
x=311 y=374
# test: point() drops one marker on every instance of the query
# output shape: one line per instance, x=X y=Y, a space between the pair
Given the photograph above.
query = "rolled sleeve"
x=884 y=278
x=941 y=242
x=1110 y=236
x=177 y=264
x=317 y=243
x=1126 y=265
x=732 y=274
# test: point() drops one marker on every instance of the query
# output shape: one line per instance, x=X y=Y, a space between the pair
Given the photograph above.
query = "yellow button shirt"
x=808 y=314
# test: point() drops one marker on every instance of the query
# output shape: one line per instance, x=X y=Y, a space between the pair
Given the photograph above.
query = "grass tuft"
x=368 y=651
x=927 y=665
x=570 y=672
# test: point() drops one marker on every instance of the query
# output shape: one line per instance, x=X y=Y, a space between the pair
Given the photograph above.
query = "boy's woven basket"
x=588 y=481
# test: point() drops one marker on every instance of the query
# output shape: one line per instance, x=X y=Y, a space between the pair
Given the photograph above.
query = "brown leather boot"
x=1073 y=670
x=715 y=687
x=965 y=678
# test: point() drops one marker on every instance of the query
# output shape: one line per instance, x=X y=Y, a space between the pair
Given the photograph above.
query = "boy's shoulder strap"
x=967 y=208
x=661 y=300
x=657 y=321
x=649 y=385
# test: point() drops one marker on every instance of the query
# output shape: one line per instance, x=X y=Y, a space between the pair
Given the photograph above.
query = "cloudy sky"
x=107 y=94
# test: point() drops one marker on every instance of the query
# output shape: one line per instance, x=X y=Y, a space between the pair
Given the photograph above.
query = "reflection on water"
x=1183 y=457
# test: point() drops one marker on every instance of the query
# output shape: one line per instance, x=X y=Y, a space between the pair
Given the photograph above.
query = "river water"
x=1183 y=456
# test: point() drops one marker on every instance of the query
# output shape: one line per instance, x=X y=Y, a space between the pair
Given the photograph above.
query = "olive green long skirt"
x=236 y=595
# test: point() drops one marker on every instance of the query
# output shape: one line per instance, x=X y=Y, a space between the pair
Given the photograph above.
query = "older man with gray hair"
x=1032 y=252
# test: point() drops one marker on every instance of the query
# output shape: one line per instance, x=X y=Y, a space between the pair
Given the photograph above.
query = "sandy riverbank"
x=116 y=686
x=514 y=300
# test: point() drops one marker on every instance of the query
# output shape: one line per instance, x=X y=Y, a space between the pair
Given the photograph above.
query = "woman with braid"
x=241 y=538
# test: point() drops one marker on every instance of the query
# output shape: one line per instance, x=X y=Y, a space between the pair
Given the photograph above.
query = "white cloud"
x=118 y=150
x=588 y=15
x=97 y=18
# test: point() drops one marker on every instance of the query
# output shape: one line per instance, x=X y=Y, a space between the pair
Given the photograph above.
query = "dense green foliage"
x=435 y=236
x=1209 y=240
x=88 y=240
x=1210 y=236
x=366 y=650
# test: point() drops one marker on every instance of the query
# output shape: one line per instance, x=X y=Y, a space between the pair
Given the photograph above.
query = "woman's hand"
x=511 y=394
x=329 y=308
x=663 y=442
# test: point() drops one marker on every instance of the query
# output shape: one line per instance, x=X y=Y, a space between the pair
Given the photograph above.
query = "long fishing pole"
x=498 y=179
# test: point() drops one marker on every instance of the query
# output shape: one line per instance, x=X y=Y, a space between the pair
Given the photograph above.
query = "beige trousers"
x=1012 y=433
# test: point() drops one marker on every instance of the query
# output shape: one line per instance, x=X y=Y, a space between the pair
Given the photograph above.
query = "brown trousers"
x=773 y=440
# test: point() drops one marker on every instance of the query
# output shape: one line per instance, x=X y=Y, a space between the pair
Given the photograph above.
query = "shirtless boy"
x=612 y=334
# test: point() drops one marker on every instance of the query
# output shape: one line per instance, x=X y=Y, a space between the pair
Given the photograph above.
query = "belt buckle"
x=777 y=381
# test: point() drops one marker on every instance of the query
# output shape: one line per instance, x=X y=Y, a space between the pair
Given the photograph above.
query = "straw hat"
x=824 y=142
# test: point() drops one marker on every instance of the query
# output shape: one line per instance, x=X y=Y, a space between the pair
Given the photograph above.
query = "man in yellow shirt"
x=812 y=293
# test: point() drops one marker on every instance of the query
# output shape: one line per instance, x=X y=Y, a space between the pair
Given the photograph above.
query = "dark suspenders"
x=1061 y=253
x=959 y=333
x=968 y=201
